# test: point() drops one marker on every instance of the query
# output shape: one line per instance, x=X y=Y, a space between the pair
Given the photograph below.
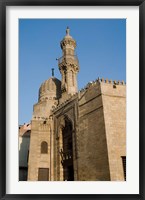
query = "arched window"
x=44 y=147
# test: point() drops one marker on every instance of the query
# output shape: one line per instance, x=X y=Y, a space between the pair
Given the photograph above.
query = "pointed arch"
x=66 y=168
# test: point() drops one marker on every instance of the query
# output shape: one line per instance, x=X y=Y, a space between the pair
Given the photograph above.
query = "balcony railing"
x=68 y=57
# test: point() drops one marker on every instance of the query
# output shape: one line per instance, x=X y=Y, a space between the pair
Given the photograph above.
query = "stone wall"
x=114 y=107
x=41 y=131
x=92 y=147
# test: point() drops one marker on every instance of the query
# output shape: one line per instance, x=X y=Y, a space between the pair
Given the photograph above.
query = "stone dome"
x=51 y=88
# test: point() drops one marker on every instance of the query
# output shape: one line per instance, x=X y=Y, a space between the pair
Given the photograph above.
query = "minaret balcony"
x=70 y=59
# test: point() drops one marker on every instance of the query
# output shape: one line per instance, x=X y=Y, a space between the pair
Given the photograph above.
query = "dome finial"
x=52 y=71
x=67 y=30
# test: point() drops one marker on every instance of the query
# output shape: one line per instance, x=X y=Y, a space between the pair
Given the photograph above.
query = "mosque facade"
x=77 y=135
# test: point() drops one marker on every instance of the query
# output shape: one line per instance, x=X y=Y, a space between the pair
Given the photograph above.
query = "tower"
x=68 y=65
x=40 y=165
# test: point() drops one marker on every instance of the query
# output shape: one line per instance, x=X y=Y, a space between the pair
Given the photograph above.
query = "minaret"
x=68 y=65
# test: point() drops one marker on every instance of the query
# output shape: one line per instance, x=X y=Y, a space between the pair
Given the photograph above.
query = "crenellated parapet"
x=101 y=80
x=39 y=118
x=87 y=87
x=65 y=102
x=114 y=82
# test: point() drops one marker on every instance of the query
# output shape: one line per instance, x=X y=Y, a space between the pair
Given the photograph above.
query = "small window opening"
x=44 y=147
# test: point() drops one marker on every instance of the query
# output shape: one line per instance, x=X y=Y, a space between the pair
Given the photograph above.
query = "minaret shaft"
x=68 y=65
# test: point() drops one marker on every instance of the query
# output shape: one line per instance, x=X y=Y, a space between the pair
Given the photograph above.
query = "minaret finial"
x=52 y=71
x=67 y=30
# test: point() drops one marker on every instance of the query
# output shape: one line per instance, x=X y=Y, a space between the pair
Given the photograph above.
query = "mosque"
x=75 y=135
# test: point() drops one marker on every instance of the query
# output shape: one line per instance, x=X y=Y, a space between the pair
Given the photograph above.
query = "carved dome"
x=51 y=88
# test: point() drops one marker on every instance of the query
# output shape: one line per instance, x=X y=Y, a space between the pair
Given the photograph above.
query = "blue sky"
x=101 y=50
